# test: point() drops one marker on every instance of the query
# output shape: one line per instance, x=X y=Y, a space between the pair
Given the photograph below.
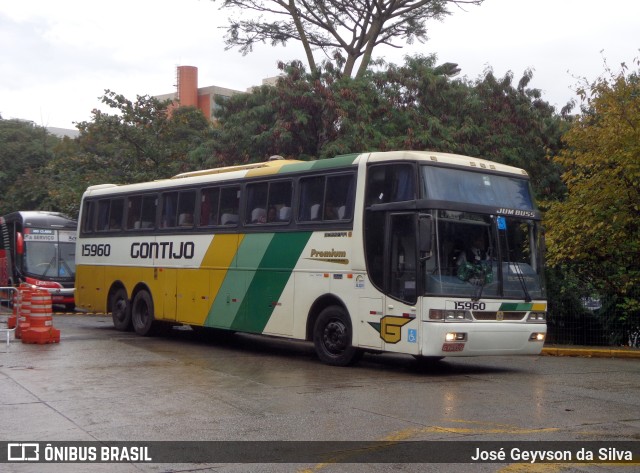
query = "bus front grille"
x=499 y=316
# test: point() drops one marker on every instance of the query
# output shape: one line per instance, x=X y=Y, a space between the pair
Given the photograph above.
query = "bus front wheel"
x=332 y=335
x=120 y=310
x=142 y=313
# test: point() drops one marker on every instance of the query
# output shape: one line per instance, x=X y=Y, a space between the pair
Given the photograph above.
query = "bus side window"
x=229 y=205
x=116 y=214
x=169 y=210
x=339 y=195
x=186 y=208
x=134 y=211
x=311 y=197
x=148 y=213
x=103 y=215
x=256 y=211
x=88 y=216
x=209 y=203
x=178 y=209
x=279 y=204
x=390 y=183
x=110 y=214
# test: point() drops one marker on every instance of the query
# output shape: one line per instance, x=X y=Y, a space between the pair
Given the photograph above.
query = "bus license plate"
x=453 y=347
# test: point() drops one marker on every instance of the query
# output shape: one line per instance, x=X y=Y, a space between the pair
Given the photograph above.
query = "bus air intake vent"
x=499 y=316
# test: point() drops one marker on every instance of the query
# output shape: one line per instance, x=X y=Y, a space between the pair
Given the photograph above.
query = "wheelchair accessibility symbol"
x=412 y=335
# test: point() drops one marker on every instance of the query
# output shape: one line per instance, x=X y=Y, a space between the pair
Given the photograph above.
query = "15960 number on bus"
x=469 y=305
x=92 y=249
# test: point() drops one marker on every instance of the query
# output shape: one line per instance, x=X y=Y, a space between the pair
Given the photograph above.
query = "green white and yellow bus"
x=362 y=252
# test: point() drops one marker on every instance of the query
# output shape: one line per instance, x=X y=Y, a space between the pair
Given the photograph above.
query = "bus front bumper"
x=481 y=339
x=60 y=295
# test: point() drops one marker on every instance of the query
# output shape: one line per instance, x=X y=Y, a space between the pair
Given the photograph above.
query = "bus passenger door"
x=400 y=323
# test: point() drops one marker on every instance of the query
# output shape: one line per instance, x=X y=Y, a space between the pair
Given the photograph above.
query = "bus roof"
x=41 y=218
x=446 y=158
x=283 y=166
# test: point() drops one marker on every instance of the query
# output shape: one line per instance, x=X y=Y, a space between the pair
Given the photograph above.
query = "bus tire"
x=120 y=309
x=332 y=336
x=142 y=314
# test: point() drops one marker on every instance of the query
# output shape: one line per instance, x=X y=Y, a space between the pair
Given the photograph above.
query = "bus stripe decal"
x=520 y=307
x=228 y=300
x=269 y=281
x=319 y=164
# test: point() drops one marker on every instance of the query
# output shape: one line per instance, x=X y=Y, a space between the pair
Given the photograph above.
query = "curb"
x=592 y=352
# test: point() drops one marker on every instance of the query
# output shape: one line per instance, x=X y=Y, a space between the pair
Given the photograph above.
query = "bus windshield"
x=473 y=187
x=481 y=255
x=47 y=256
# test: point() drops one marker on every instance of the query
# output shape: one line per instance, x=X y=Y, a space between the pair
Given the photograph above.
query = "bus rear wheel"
x=142 y=314
x=332 y=335
x=120 y=310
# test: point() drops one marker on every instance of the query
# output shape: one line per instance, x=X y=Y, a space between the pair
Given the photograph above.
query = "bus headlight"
x=537 y=337
x=450 y=315
x=456 y=337
x=537 y=317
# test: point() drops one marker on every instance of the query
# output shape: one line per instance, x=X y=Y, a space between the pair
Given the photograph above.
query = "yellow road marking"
x=485 y=428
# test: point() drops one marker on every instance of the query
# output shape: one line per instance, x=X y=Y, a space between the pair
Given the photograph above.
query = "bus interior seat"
x=229 y=219
x=185 y=220
x=342 y=210
x=143 y=224
x=314 y=213
x=258 y=215
x=285 y=214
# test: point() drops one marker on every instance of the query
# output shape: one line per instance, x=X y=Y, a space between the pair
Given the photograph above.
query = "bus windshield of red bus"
x=49 y=253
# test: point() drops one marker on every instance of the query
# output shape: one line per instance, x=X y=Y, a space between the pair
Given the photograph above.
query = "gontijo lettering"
x=163 y=250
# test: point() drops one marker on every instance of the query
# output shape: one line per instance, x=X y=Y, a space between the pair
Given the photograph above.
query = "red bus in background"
x=38 y=248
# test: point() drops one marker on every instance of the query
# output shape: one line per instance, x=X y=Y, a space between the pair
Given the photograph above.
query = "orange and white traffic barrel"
x=24 y=310
x=41 y=329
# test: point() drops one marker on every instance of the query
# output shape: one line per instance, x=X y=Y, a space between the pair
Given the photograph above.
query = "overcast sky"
x=58 y=56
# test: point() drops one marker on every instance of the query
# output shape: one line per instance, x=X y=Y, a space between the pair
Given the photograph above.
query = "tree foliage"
x=345 y=31
x=419 y=105
x=596 y=228
x=144 y=139
x=24 y=149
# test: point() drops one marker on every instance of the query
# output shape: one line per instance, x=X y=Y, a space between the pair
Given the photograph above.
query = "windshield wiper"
x=515 y=265
x=521 y=278
x=482 y=282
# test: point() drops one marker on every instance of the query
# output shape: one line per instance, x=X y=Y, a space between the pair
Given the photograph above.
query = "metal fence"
x=579 y=314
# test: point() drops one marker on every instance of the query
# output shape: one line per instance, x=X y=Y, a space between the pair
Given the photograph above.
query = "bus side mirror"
x=426 y=236
x=19 y=243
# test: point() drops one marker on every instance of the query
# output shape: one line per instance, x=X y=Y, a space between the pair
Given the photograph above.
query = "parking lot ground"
x=99 y=385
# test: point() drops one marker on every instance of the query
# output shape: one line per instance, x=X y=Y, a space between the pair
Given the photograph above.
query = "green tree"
x=24 y=149
x=346 y=31
x=419 y=105
x=144 y=139
x=69 y=173
x=596 y=229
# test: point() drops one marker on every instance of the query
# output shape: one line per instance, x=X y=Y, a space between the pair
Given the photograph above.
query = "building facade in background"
x=206 y=99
